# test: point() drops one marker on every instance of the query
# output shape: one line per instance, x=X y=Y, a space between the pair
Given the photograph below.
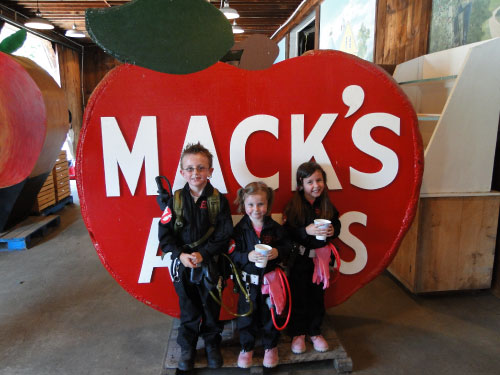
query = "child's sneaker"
x=299 y=344
x=320 y=344
x=245 y=359
x=271 y=357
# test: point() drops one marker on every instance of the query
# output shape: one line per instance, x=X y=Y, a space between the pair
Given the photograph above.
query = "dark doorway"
x=306 y=38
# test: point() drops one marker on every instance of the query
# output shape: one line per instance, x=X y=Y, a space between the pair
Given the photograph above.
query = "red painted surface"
x=309 y=85
x=22 y=119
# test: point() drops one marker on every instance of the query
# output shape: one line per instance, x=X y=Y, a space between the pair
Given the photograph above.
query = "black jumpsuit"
x=246 y=238
x=199 y=312
x=308 y=305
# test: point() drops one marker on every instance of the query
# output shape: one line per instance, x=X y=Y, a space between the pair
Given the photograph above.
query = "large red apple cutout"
x=344 y=112
x=23 y=120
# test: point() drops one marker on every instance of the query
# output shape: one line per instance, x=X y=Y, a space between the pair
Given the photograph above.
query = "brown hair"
x=197 y=148
x=294 y=210
x=251 y=189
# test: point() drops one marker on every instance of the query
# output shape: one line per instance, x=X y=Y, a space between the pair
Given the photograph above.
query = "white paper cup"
x=322 y=223
x=263 y=250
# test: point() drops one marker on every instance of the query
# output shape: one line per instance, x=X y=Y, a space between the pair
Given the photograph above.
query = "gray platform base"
x=230 y=348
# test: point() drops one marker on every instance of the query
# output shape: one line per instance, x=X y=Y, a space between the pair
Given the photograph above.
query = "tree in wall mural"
x=455 y=23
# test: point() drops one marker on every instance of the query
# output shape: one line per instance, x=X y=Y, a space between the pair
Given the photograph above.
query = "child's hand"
x=197 y=258
x=273 y=254
x=329 y=230
x=188 y=260
x=315 y=230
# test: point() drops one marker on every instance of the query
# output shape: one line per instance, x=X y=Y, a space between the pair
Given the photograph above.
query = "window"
x=37 y=49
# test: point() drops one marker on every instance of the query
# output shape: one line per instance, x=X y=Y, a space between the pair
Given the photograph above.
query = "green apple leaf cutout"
x=169 y=36
x=13 y=42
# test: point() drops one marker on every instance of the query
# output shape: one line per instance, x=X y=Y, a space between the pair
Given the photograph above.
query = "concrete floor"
x=62 y=313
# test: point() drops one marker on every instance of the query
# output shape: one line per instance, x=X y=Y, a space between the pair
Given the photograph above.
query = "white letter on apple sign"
x=364 y=142
x=116 y=152
x=151 y=260
x=361 y=257
x=303 y=151
x=239 y=139
x=199 y=131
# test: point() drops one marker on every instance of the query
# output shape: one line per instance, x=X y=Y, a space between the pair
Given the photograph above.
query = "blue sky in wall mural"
x=348 y=26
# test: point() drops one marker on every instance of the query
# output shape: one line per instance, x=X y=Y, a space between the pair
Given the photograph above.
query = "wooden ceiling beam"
x=256 y=16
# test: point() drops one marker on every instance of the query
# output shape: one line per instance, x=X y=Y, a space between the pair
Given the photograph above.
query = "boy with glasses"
x=193 y=241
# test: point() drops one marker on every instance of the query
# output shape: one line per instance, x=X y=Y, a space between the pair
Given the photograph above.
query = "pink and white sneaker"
x=271 y=358
x=245 y=359
x=299 y=344
x=319 y=343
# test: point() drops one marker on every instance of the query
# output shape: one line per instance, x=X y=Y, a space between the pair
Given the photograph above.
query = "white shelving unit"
x=451 y=243
x=456 y=94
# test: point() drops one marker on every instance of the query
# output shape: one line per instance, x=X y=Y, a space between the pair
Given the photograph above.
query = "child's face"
x=256 y=206
x=313 y=185
x=195 y=170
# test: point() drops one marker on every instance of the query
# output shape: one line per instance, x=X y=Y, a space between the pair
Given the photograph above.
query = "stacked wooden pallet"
x=56 y=186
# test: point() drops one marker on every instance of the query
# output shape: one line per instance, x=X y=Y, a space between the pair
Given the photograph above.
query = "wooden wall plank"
x=421 y=42
x=453 y=248
x=96 y=64
x=378 y=56
x=403 y=266
x=402 y=20
x=470 y=229
x=441 y=222
x=70 y=73
x=495 y=284
x=402 y=29
x=484 y=256
x=389 y=42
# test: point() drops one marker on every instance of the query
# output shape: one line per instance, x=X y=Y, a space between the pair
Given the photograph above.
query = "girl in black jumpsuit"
x=309 y=202
x=254 y=228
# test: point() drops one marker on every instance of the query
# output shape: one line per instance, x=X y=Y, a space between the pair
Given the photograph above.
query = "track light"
x=38 y=22
x=74 y=33
x=230 y=13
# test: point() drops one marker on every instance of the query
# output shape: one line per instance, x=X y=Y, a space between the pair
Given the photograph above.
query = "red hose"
x=283 y=277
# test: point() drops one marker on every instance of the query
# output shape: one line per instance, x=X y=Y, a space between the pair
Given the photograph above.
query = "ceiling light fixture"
x=38 y=22
x=237 y=29
x=230 y=13
x=74 y=33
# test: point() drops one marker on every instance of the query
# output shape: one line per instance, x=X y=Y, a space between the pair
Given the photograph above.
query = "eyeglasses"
x=199 y=168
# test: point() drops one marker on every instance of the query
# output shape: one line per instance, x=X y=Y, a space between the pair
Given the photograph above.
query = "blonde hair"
x=251 y=189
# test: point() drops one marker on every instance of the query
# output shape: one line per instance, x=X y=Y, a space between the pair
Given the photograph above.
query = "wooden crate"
x=46 y=196
x=450 y=245
x=60 y=175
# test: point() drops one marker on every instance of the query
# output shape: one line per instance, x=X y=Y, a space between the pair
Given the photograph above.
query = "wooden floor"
x=230 y=347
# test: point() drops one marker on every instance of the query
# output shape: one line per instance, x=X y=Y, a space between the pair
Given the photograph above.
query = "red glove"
x=272 y=285
x=321 y=261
